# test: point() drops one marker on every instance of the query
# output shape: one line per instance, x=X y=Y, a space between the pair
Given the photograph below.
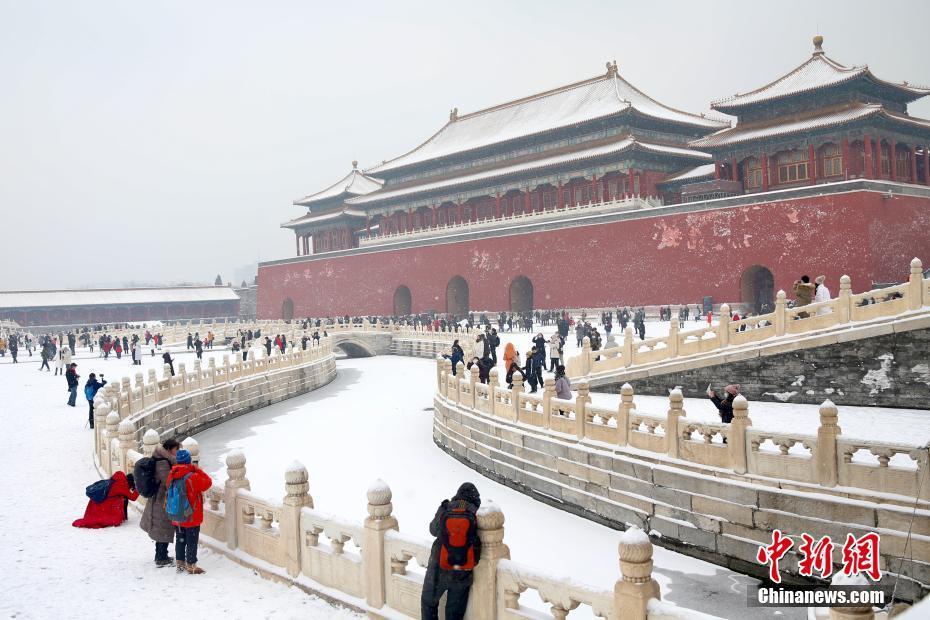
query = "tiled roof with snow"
x=816 y=73
x=608 y=148
x=818 y=121
x=117 y=296
x=698 y=172
x=591 y=99
x=329 y=215
x=354 y=184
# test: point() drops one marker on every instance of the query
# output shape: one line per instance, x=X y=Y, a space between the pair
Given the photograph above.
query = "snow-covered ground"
x=375 y=421
x=53 y=570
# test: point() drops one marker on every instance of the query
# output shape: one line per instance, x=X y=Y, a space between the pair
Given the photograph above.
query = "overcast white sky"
x=165 y=141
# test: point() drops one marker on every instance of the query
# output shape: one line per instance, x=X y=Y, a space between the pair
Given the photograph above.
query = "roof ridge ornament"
x=454 y=115
x=818 y=44
x=612 y=70
x=354 y=164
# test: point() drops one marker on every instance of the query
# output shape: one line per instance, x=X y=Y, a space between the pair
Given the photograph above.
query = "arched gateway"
x=402 y=301
x=757 y=289
x=287 y=309
x=521 y=295
x=457 y=296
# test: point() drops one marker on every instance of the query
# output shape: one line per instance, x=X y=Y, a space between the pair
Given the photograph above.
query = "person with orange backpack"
x=185 y=486
x=455 y=552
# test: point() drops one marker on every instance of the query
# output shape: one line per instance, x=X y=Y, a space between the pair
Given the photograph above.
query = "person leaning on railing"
x=724 y=405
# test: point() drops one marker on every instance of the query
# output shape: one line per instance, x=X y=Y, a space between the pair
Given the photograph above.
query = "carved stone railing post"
x=581 y=405
x=112 y=433
x=844 y=300
x=781 y=314
x=472 y=380
x=182 y=372
x=447 y=369
x=226 y=369
x=586 y=356
x=628 y=346
x=457 y=380
x=190 y=444
x=166 y=373
x=723 y=328
x=126 y=396
x=671 y=347
x=482 y=604
x=439 y=366
x=547 y=396
x=101 y=410
x=676 y=411
x=235 y=472
x=851 y=613
x=198 y=375
x=623 y=415
x=636 y=585
x=297 y=487
x=211 y=365
x=127 y=440
x=376 y=564
x=915 y=285
x=737 y=439
x=826 y=444
x=149 y=441
x=515 y=394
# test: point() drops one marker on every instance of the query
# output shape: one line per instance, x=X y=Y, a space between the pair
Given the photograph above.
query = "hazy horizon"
x=165 y=143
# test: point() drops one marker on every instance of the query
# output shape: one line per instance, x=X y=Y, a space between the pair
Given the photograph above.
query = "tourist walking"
x=555 y=351
x=45 y=356
x=453 y=556
x=185 y=486
x=72 y=377
x=154 y=520
x=563 y=387
x=821 y=293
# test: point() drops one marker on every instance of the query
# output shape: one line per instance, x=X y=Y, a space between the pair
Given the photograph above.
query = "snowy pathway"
x=375 y=421
x=52 y=570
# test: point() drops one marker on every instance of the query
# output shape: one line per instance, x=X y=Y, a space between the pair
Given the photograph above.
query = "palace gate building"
x=594 y=194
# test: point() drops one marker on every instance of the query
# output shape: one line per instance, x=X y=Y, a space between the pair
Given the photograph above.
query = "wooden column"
x=368 y=225
x=913 y=164
x=734 y=170
x=560 y=192
x=764 y=159
x=630 y=175
x=409 y=219
x=297 y=239
x=497 y=205
x=459 y=208
x=594 y=188
x=435 y=216
x=926 y=165
x=306 y=245
x=845 y=147
x=892 y=161
x=811 y=164
x=527 y=201
x=716 y=174
x=867 y=156
x=606 y=187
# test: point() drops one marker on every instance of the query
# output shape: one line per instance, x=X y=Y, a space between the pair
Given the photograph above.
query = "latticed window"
x=613 y=189
x=752 y=173
x=832 y=161
x=549 y=199
x=886 y=165
x=534 y=201
x=903 y=165
x=792 y=166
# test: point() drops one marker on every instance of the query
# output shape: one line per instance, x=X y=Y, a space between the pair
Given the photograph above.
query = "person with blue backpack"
x=186 y=485
x=90 y=390
x=455 y=552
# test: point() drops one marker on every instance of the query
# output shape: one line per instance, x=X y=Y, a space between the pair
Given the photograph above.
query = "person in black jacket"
x=540 y=343
x=72 y=377
x=494 y=341
x=724 y=405
x=454 y=581
x=167 y=359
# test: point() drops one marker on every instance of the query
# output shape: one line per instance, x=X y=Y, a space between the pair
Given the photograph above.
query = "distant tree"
x=218 y=281
x=243 y=284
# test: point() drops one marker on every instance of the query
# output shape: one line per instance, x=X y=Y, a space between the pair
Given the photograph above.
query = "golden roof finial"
x=818 y=44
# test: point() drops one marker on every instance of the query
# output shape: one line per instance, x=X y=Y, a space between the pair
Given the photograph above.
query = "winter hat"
x=820 y=279
x=733 y=389
x=183 y=457
x=468 y=492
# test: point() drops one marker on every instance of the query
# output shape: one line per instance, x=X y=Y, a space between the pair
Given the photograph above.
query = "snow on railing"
x=826 y=459
x=840 y=311
x=593 y=207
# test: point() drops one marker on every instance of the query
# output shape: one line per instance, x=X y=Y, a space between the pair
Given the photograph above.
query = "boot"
x=193 y=569
x=166 y=562
x=181 y=565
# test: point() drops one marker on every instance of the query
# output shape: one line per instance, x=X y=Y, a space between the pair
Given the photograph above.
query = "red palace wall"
x=675 y=258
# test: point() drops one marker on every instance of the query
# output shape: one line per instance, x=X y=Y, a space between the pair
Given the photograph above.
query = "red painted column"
x=630 y=175
x=811 y=164
x=926 y=165
x=368 y=225
x=716 y=174
x=765 y=171
x=892 y=160
x=297 y=239
x=497 y=205
x=409 y=219
x=606 y=189
x=527 y=201
x=845 y=158
x=734 y=170
x=435 y=216
x=594 y=188
x=459 y=220
x=561 y=195
x=867 y=155
x=913 y=164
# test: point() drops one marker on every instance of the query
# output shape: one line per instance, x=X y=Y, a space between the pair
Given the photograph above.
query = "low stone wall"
x=884 y=366
x=696 y=495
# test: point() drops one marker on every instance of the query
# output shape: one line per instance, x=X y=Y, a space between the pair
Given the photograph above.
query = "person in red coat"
x=111 y=511
x=187 y=533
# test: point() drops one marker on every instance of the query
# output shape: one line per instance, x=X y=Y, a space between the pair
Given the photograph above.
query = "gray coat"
x=154 y=519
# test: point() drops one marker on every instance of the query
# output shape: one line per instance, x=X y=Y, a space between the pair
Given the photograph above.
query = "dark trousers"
x=553 y=363
x=456 y=599
x=161 y=551
x=73 y=397
x=45 y=365
x=90 y=414
x=185 y=543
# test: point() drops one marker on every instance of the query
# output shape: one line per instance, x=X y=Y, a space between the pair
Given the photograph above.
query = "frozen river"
x=375 y=421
